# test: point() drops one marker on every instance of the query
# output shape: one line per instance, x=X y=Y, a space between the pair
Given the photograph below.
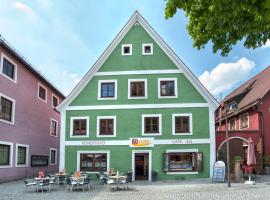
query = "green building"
x=139 y=109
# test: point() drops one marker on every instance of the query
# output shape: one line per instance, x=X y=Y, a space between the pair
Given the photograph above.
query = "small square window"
x=79 y=127
x=126 y=49
x=151 y=124
x=167 y=88
x=107 y=89
x=182 y=124
x=42 y=93
x=8 y=68
x=137 y=88
x=106 y=126
x=147 y=49
x=6 y=109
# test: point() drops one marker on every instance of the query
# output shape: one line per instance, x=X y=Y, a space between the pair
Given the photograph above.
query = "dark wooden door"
x=141 y=166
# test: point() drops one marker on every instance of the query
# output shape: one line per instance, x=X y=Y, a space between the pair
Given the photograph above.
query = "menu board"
x=218 y=172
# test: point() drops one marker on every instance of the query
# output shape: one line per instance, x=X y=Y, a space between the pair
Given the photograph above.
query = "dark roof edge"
x=27 y=64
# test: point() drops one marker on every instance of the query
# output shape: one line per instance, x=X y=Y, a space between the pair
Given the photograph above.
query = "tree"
x=224 y=22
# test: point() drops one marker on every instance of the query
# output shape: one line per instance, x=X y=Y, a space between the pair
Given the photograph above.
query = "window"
x=42 y=93
x=22 y=152
x=53 y=156
x=93 y=162
x=107 y=89
x=54 y=127
x=137 y=88
x=182 y=124
x=167 y=88
x=232 y=125
x=79 y=127
x=37 y=160
x=6 y=154
x=8 y=68
x=106 y=126
x=232 y=106
x=151 y=124
x=147 y=49
x=177 y=162
x=244 y=121
x=54 y=101
x=7 y=109
x=126 y=49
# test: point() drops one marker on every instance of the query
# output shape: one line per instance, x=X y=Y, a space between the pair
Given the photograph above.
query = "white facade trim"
x=115 y=89
x=182 y=150
x=138 y=72
x=212 y=133
x=93 y=152
x=145 y=88
x=53 y=149
x=151 y=48
x=175 y=88
x=114 y=125
x=190 y=123
x=130 y=49
x=149 y=163
x=2 y=65
x=10 y=155
x=71 y=127
x=26 y=156
x=46 y=92
x=159 y=124
x=127 y=142
x=13 y=109
x=62 y=141
x=53 y=120
x=137 y=18
x=139 y=106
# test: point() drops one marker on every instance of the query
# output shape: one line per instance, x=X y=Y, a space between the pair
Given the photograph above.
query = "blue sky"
x=63 y=39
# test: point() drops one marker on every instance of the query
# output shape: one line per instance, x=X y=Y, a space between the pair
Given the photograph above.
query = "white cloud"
x=24 y=8
x=225 y=75
x=267 y=44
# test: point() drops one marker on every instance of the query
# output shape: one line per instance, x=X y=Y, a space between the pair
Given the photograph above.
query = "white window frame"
x=182 y=151
x=87 y=127
x=145 y=88
x=240 y=128
x=175 y=88
x=51 y=127
x=115 y=89
x=10 y=155
x=53 y=149
x=229 y=124
x=122 y=49
x=46 y=92
x=13 y=109
x=159 y=123
x=93 y=152
x=134 y=152
x=2 y=65
x=190 y=123
x=53 y=95
x=143 y=48
x=114 y=125
x=26 y=156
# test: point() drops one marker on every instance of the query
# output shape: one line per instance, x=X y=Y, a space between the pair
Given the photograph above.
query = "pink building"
x=29 y=122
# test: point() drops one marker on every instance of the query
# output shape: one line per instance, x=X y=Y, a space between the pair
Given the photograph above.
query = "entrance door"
x=141 y=166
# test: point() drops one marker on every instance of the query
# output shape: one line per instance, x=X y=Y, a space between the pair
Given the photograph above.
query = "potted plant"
x=154 y=175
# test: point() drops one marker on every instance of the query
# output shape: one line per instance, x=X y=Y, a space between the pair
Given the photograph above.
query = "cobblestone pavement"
x=174 y=190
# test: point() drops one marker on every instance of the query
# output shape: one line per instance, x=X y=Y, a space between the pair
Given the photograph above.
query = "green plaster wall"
x=121 y=158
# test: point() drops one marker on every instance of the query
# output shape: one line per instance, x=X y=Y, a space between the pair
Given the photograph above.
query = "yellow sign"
x=141 y=142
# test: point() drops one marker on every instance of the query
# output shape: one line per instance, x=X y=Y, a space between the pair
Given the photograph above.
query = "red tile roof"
x=255 y=89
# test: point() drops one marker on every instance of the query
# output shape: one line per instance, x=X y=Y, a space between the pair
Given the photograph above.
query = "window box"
x=151 y=125
x=22 y=153
x=79 y=127
x=137 y=88
x=107 y=89
x=42 y=93
x=167 y=88
x=182 y=124
x=147 y=49
x=53 y=156
x=8 y=68
x=7 y=109
x=6 y=154
x=106 y=126
x=126 y=49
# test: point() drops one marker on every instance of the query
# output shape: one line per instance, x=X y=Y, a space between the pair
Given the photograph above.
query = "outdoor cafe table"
x=117 y=178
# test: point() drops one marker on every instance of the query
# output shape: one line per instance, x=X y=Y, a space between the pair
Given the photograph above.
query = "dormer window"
x=233 y=106
x=126 y=49
x=147 y=49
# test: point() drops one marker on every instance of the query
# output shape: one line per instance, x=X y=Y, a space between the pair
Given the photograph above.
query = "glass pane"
x=8 y=68
x=6 y=109
x=181 y=162
x=4 y=154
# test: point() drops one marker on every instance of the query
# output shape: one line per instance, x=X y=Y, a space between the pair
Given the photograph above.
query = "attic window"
x=233 y=106
x=147 y=49
x=126 y=49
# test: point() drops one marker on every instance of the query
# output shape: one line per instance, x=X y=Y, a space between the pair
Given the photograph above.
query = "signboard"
x=141 y=142
x=218 y=172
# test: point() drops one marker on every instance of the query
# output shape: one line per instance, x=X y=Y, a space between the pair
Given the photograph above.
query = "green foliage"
x=224 y=22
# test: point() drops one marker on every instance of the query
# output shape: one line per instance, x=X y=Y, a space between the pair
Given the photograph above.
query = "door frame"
x=149 y=163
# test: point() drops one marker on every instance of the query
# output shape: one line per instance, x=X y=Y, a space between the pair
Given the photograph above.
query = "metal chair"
x=45 y=183
x=30 y=183
x=70 y=184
